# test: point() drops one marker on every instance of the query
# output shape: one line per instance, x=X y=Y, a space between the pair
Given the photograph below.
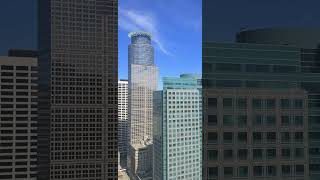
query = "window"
x=271 y=137
x=228 y=67
x=314 y=120
x=243 y=154
x=257 y=68
x=257 y=154
x=298 y=121
x=285 y=120
x=286 y=170
x=257 y=171
x=298 y=136
x=212 y=102
x=227 y=102
x=270 y=103
x=300 y=170
x=4 y=67
x=257 y=137
x=242 y=120
x=228 y=154
x=212 y=155
x=227 y=120
x=243 y=171
x=212 y=137
x=298 y=104
x=270 y=120
x=271 y=153
x=212 y=172
x=285 y=103
x=242 y=103
x=242 y=137
x=285 y=153
x=257 y=103
x=284 y=69
x=271 y=171
x=227 y=137
x=299 y=152
x=228 y=171
x=258 y=120
x=285 y=137
x=212 y=120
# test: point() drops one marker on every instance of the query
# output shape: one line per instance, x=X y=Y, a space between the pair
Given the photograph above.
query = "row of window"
x=255 y=154
x=19 y=68
x=242 y=103
x=259 y=120
x=257 y=137
x=251 y=68
x=257 y=171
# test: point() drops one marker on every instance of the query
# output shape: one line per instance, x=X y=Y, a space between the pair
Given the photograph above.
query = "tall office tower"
x=143 y=76
x=178 y=129
x=78 y=59
x=123 y=121
x=279 y=59
x=18 y=117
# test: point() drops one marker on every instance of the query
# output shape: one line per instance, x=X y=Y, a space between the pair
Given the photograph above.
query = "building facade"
x=78 y=59
x=255 y=134
x=268 y=59
x=123 y=121
x=143 y=76
x=178 y=129
x=18 y=119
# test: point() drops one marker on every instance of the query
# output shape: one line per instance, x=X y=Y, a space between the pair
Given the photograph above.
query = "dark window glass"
x=243 y=154
x=212 y=120
x=212 y=172
x=212 y=155
x=227 y=102
x=212 y=102
x=228 y=171
x=228 y=67
x=212 y=137
x=257 y=171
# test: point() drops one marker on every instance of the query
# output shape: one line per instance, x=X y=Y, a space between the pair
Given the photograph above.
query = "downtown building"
x=177 y=148
x=78 y=60
x=275 y=74
x=143 y=76
x=123 y=122
x=18 y=115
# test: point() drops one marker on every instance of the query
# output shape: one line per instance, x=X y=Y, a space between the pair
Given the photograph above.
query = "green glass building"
x=177 y=129
x=272 y=58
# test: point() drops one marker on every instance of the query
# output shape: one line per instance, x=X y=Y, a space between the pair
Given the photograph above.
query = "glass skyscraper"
x=275 y=60
x=178 y=129
x=143 y=76
x=78 y=60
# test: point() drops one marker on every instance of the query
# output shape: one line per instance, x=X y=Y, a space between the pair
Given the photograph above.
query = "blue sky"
x=176 y=29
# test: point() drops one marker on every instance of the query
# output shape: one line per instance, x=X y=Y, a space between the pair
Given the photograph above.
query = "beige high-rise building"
x=18 y=117
x=123 y=122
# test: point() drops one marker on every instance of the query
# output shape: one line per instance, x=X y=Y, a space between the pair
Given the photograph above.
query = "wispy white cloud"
x=132 y=20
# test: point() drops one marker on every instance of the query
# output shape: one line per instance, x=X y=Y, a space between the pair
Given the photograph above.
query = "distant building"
x=123 y=121
x=18 y=117
x=178 y=129
x=143 y=76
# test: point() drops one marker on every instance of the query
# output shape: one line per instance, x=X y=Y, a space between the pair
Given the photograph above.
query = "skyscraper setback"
x=78 y=51
x=143 y=75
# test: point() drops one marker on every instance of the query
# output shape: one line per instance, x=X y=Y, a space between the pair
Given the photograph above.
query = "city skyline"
x=160 y=89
